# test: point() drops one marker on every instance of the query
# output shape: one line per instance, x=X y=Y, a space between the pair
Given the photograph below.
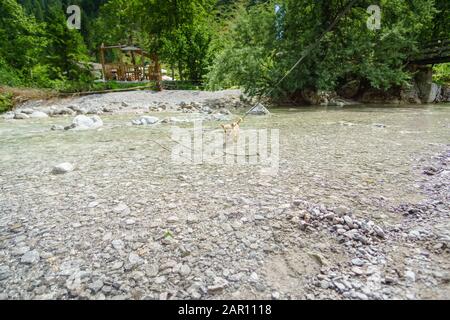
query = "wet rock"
x=259 y=110
x=9 y=115
x=21 y=116
x=146 y=120
x=38 y=114
x=63 y=168
x=83 y=122
x=56 y=127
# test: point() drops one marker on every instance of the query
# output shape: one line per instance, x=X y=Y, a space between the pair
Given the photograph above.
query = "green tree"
x=20 y=39
x=256 y=57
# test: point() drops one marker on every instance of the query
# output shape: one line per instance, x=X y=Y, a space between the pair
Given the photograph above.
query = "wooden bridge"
x=434 y=52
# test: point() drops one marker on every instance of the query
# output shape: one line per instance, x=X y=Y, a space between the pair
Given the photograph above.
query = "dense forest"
x=223 y=43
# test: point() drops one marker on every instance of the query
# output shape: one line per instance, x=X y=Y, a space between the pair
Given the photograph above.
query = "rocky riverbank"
x=358 y=210
x=137 y=102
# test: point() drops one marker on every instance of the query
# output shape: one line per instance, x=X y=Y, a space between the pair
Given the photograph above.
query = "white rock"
x=134 y=259
x=31 y=257
x=121 y=208
x=83 y=122
x=185 y=270
x=254 y=277
x=63 y=168
x=172 y=219
x=118 y=244
x=21 y=116
x=358 y=262
x=57 y=127
x=410 y=276
x=146 y=120
x=9 y=115
x=38 y=114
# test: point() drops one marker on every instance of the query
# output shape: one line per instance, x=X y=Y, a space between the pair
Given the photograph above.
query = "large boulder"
x=83 y=122
x=433 y=94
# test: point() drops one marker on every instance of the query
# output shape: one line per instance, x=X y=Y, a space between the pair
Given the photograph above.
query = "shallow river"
x=365 y=158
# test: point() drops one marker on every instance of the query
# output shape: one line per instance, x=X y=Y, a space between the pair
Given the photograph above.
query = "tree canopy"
x=225 y=43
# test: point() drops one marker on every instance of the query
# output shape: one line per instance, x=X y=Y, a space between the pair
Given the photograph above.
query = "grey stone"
x=259 y=110
x=121 y=208
x=410 y=276
x=341 y=211
x=358 y=262
x=5 y=272
x=185 y=270
x=135 y=259
x=360 y=296
x=21 y=116
x=96 y=286
x=118 y=244
x=31 y=257
x=146 y=120
x=379 y=232
x=57 y=127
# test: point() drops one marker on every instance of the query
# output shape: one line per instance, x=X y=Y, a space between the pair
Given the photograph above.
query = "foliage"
x=256 y=56
x=5 y=102
x=230 y=43
x=441 y=74
x=41 y=53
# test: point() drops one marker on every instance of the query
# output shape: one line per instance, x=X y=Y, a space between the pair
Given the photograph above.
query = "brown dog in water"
x=232 y=129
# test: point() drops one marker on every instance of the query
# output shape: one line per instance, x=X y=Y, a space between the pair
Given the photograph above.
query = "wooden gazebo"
x=148 y=67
